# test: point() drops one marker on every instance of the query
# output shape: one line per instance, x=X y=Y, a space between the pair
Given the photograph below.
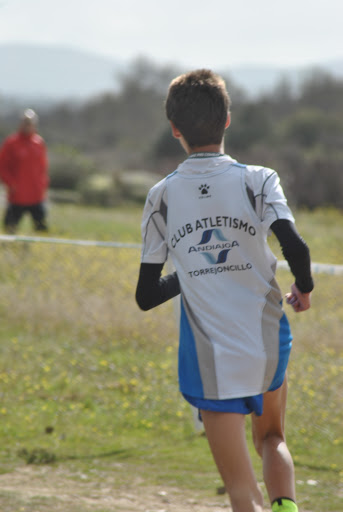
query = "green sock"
x=284 y=505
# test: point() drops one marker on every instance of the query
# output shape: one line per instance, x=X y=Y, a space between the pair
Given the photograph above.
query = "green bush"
x=134 y=185
x=68 y=167
x=99 y=190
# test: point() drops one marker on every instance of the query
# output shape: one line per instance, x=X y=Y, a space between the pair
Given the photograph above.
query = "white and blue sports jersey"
x=212 y=217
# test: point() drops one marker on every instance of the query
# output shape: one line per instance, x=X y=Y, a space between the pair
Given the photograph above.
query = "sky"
x=193 y=33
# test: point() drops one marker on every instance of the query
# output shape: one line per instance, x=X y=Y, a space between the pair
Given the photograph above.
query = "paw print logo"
x=204 y=189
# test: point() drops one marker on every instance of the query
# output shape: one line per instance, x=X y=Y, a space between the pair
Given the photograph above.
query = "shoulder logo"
x=204 y=191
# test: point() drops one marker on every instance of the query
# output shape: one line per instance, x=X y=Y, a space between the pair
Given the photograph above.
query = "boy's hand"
x=299 y=301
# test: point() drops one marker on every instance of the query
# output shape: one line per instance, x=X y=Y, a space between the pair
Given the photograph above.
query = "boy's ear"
x=176 y=133
x=228 y=120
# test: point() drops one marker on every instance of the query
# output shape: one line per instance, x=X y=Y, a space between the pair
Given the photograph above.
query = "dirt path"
x=46 y=488
x=50 y=489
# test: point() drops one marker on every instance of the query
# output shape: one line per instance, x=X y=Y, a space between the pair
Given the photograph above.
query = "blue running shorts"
x=249 y=404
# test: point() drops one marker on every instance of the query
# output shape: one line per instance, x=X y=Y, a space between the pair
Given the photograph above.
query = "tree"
x=323 y=91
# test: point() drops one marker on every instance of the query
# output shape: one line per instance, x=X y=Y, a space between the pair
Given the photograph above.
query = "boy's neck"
x=211 y=148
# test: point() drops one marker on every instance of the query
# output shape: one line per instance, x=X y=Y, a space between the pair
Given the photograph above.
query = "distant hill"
x=58 y=73
x=54 y=73
x=258 y=79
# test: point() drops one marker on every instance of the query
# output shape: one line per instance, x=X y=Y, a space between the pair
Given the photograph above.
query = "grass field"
x=88 y=383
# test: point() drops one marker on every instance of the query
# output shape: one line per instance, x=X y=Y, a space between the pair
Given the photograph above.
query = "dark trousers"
x=14 y=213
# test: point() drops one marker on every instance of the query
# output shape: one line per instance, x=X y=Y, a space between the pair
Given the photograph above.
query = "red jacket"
x=24 y=168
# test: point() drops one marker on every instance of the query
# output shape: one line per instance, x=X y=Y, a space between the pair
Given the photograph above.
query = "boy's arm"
x=152 y=289
x=297 y=254
x=299 y=301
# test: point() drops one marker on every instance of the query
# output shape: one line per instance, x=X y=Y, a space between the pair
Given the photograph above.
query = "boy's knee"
x=269 y=439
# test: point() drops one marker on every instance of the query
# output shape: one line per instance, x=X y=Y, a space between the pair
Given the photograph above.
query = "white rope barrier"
x=68 y=241
x=317 y=268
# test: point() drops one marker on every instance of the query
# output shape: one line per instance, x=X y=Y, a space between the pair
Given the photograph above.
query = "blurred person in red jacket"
x=24 y=171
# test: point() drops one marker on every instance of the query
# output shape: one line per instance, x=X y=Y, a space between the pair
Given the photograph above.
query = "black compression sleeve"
x=296 y=252
x=152 y=289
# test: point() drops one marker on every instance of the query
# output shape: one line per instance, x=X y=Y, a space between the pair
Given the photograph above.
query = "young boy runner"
x=212 y=216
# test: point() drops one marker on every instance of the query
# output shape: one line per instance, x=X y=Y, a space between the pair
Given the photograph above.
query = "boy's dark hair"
x=198 y=104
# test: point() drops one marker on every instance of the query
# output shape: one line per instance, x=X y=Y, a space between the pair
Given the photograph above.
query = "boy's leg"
x=269 y=438
x=226 y=436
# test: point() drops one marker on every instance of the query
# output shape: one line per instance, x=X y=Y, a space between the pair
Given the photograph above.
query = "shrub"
x=68 y=167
